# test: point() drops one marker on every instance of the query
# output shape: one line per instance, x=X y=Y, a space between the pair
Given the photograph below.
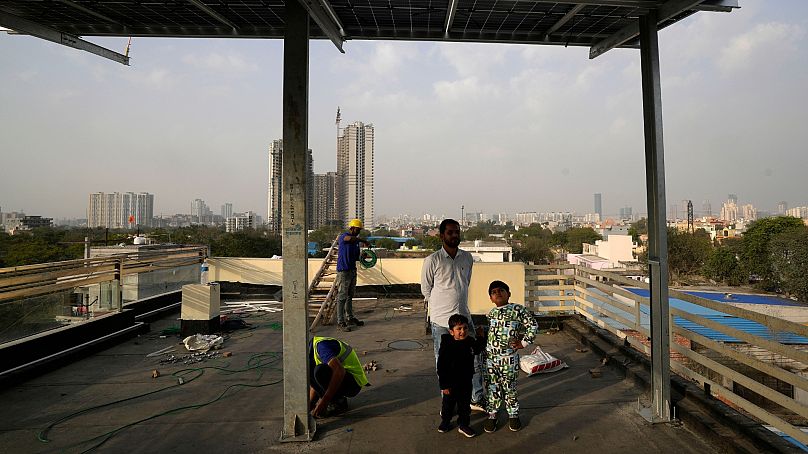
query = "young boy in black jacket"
x=455 y=369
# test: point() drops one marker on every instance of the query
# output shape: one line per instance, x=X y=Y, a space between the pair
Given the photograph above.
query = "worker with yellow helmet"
x=346 y=274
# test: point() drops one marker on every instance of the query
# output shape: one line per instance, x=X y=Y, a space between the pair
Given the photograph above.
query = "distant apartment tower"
x=275 y=188
x=729 y=210
x=201 y=212
x=782 y=207
x=749 y=212
x=227 y=210
x=114 y=210
x=626 y=214
x=706 y=209
x=355 y=172
x=599 y=205
x=241 y=221
x=326 y=208
x=732 y=198
x=798 y=212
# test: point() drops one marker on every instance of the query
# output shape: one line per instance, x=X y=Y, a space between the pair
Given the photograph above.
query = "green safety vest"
x=347 y=356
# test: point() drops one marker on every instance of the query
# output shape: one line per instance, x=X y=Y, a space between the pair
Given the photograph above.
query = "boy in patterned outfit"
x=511 y=327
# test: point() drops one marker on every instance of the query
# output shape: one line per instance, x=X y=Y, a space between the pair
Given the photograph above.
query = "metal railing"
x=36 y=298
x=756 y=374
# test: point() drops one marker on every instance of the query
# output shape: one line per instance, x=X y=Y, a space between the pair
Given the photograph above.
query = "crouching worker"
x=335 y=374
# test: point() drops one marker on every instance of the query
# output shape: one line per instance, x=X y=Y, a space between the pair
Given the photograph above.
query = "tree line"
x=772 y=255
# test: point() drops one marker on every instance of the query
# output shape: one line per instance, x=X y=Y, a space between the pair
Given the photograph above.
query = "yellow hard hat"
x=355 y=223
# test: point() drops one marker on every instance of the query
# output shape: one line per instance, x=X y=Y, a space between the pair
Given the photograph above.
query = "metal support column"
x=657 y=223
x=298 y=425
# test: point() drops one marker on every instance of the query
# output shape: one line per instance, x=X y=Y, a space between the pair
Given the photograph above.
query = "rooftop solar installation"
x=600 y=24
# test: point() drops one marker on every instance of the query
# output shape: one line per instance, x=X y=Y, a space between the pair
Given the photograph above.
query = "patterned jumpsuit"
x=506 y=323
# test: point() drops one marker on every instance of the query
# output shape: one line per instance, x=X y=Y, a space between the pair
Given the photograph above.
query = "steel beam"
x=450 y=15
x=298 y=425
x=665 y=11
x=325 y=19
x=657 y=223
x=560 y=23
x=212 y=13
x=25 y=26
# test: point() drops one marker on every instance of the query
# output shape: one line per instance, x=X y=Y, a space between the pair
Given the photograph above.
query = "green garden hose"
x=368 y=259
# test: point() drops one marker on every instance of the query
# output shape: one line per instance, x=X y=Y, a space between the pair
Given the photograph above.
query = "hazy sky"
x=497 y=128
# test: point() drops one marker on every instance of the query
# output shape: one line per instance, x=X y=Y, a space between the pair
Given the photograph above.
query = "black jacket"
x=456 y=360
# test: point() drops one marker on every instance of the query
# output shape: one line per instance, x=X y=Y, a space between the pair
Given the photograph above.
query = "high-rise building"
x=729 y=211
x=115 y=210
x=749 y=212
x=275 y=188
x=201 y=212
x=355 y=172
x=227 y=210
x=625 y=214
x=732 y=198
x=782 y=207
x=326 y=208
x=706 y=209
x=598 y=205
x=241 y=221
x=275 y=185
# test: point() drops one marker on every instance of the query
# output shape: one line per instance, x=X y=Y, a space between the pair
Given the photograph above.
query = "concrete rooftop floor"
x=565 y=411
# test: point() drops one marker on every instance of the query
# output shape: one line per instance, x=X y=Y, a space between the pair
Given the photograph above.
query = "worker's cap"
x=355 y=223
x=498 y=284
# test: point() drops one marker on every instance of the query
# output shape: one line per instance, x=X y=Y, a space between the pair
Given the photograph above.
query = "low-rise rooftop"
x=235 y=403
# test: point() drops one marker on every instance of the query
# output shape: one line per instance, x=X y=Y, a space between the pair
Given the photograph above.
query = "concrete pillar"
x=298 y=425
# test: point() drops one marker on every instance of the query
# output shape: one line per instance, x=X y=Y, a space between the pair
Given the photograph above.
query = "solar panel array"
x=528 y=21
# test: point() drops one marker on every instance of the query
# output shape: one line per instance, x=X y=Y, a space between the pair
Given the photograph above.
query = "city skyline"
x=519 y=127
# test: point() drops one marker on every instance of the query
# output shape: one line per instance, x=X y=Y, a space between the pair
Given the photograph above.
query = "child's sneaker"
x=490 y=425
x=514 y=423
x=467 y=431
x=444 y=427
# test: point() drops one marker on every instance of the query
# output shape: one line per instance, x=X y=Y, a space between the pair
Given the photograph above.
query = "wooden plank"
x=51 y=275
x=45 y=289
x=763 y=390
x=604 y=299
x=550 y=298
x=773 y=346
x=549 y=287
x=770 y=369
x=548 y=277
x=753 y=409
x=611 y=290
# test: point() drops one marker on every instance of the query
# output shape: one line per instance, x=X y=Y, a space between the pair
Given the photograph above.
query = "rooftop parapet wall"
x=395 y=271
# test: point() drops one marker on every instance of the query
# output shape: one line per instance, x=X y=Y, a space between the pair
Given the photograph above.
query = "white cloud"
x=27 y=75
x=158 y=78
x=463 y=90
x=473 y=59
x=766 y=41
x=220 y=62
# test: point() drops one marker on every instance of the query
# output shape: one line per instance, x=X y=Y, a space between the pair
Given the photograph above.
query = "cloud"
x=763 y=42
x=472 y=59
x=220 y=62
x=158 y=78
x=27 y=75
x=464 y=90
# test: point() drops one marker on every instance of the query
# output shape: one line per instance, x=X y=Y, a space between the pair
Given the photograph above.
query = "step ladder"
x=323 y=289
